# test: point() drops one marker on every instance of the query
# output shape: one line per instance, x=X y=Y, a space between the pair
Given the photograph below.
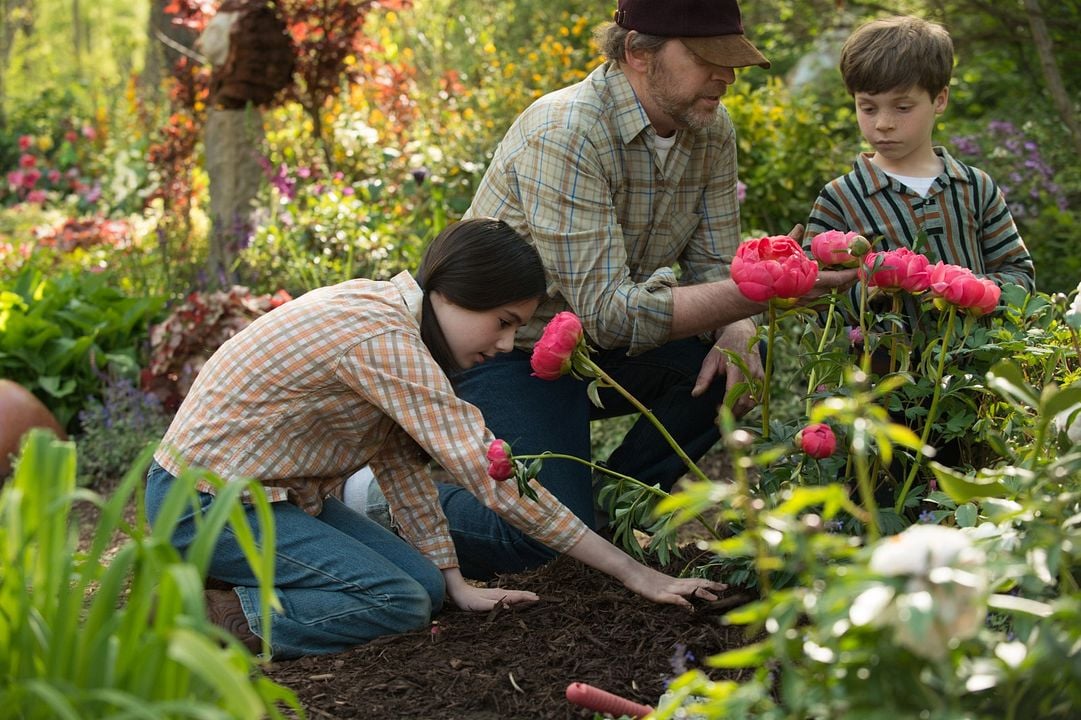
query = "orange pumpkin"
x=20 y=411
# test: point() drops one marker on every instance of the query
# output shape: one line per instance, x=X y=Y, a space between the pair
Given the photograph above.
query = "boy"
x=898 y=71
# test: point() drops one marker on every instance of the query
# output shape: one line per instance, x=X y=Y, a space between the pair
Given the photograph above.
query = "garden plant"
x=901 y=509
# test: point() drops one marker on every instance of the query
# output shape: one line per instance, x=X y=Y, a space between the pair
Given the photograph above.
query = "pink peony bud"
x=552 y=354
x=961 y=287
x=817 y=440
x=899 y=269
x=834 y=248
x=500 y=465
x=773 y=267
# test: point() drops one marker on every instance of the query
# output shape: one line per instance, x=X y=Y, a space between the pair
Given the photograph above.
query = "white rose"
x=943 y=599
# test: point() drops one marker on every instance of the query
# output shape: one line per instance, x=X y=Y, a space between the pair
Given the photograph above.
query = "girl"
x=355 y=374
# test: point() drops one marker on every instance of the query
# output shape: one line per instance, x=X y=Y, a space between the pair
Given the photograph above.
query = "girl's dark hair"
x=476 y=264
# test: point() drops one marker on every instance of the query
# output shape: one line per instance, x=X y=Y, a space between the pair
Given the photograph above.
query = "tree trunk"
x=1046 y=49
x=161 y=54
x=15 y=15
x=233 y=147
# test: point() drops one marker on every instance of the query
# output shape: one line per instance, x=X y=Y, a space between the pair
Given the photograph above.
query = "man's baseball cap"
x=711 y=29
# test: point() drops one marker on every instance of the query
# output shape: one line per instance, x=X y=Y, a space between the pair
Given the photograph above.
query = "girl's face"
x=478 y=335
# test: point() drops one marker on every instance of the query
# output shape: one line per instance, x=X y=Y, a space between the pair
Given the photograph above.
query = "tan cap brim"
x=726 y=50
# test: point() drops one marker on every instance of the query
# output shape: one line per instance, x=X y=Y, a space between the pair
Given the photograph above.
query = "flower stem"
x=931 y=413
x=812 y=380
x=893 y=336
x=867 y=495
x=608 y=471
x=771 y=332
x=609 y=382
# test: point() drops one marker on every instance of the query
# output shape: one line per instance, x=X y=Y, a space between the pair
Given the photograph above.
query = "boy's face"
x=898 y=124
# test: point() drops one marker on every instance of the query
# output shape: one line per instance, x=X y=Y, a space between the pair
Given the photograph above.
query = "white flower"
x=943 y=599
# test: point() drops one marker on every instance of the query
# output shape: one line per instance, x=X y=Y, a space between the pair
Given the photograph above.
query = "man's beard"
x=681 y=110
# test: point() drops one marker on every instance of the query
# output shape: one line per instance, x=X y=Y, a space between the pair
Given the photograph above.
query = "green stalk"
x=867 y=493
x=609 y=382
x=812 y=380
x=931 y=413
x=608 y=471
x=865 y=359
x=771 y=333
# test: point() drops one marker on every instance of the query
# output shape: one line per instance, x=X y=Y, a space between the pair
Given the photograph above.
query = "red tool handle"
x=597 y=700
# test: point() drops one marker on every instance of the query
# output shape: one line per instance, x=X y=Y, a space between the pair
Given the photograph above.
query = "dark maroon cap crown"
x=712 y=29
x=680 y=18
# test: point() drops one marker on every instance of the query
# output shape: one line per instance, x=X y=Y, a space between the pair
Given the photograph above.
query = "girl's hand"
x=651 y=584
x=660 y=588
x=480 y=599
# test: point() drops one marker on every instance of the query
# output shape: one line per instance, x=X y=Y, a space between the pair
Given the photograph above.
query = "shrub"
x=185 y=340
x=116 y=429
x=59 y=335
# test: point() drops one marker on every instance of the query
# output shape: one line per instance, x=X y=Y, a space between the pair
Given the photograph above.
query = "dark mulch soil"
x=516 y=664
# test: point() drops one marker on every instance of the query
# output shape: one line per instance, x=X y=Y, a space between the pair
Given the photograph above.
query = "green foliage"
x=116 y=429
x=325 y=232
x=59 y=334
x=789 y=147
x=91 y=634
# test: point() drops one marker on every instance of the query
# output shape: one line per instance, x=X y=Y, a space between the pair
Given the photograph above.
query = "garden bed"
x=516 y=664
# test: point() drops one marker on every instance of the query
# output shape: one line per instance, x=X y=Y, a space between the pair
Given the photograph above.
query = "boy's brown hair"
x=897 y=53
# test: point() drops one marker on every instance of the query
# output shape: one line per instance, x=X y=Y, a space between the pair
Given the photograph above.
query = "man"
x=616 y=181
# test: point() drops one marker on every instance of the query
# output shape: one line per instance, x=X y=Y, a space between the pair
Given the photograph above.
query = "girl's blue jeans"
x=536 y=415
x=342 y=579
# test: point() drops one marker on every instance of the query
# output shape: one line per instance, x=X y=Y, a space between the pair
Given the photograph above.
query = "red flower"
x=900 y=269
x=280 y=298
x=552 y=353
x=25 y=141
x=834 y=248
x=773 y=267
x=961 y=287
x=817 y=440
x=500 y=464
x=26 y=160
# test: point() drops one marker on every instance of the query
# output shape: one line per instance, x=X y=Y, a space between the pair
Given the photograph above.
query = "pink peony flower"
x=961 y=287
x=773 y=267
x=817 y=440
x=500 y=464
x=25 y=141
x=855 y=335
x=26 y=160
x=36 y=197
x=834 y=248
x=552 y=354
x=900 y=269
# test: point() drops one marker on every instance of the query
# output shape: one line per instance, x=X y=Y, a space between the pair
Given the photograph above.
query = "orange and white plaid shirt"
x=332 y=381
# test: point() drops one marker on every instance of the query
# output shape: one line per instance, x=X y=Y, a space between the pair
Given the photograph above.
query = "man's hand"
x=828 y=281
x=735 y=337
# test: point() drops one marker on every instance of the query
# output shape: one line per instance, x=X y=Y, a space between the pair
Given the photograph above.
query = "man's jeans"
x=535 y=415
x=342 y=579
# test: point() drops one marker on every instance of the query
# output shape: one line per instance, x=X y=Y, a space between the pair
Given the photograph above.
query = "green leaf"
x=744 y=657
x=1006 y=379
x=594 y=394
x=967 y=515
x=962 y=488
